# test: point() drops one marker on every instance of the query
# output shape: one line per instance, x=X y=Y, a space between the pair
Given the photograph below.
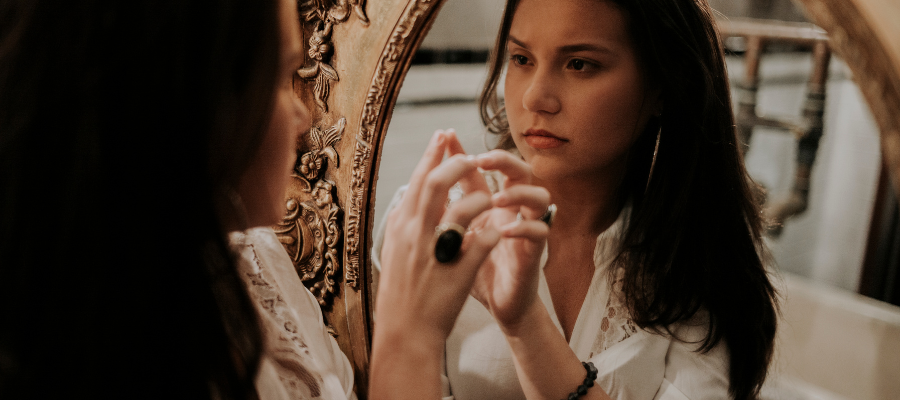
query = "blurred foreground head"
x=123 y=124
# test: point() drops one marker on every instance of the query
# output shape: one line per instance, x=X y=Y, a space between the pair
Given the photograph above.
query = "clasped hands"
x=500 y=254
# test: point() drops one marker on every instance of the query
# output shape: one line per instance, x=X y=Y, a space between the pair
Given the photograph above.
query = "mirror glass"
x=826 y=242
x=823 y=253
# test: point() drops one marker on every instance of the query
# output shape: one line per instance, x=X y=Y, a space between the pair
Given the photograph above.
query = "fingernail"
x=470 y=157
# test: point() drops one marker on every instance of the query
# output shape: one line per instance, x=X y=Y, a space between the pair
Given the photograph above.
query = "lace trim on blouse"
x=287 y=347
x=616 y=324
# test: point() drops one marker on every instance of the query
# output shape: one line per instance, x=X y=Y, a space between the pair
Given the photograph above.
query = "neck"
x=586 y=206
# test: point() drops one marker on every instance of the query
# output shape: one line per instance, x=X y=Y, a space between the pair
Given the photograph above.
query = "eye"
x=520 y=59
x=581 y=65
x=577 y=64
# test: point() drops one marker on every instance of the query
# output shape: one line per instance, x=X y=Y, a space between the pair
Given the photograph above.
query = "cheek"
x=282 y=136
x=614 y=108
x=280 y=148
x=513 y=90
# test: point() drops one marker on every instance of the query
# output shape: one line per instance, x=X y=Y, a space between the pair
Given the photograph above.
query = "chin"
x=547 y=169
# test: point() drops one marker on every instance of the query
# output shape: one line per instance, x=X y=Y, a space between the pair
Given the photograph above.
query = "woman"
x=133 y=137
x=654 y=268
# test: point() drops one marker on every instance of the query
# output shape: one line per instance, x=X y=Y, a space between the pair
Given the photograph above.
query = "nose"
x=541 y=96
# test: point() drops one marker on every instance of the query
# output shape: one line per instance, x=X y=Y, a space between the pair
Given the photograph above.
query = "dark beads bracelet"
x=588 y=381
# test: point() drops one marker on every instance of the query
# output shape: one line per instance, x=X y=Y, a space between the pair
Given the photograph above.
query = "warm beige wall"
x=473 y=24
x=839 y=341
x=465 y=24
x=785 y=10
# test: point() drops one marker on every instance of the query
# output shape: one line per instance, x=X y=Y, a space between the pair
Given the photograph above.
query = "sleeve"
x=378 y=241
x=306 y=358
x=342 y=368
x=634 y=368
x=650 y=366
x=691 y=374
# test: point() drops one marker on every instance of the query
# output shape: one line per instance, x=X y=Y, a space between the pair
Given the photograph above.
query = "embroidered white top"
x=633 y=364
x=301 y=360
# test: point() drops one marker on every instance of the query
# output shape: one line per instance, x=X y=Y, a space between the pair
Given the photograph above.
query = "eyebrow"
x=569 y=48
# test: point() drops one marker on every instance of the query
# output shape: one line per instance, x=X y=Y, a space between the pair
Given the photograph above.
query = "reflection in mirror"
x=832 y=343
x=825 y=250
x=825 y=240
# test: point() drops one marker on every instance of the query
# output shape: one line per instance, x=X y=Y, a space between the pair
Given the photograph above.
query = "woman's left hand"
x=507 y=282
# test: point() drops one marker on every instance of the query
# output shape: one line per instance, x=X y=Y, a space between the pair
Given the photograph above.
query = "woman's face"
x=263 y=186
x=576 y=97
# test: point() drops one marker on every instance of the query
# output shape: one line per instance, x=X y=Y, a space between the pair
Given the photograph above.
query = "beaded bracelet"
x=588 y=381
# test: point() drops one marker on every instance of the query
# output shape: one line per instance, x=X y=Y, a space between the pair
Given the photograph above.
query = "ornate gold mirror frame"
x=358 y=54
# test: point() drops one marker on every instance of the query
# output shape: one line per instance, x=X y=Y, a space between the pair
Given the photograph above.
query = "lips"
x=541 y=139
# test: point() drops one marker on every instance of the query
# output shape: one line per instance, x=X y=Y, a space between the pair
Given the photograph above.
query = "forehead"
x=562 y=22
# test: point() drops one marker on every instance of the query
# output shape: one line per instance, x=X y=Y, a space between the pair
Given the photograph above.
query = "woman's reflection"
x=654 y=268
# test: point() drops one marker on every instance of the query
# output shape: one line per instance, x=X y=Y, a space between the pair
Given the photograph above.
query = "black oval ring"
x=549 y=215
x=449 y=241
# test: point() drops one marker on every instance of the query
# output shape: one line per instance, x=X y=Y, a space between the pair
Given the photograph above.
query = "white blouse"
x=633 y=364
x=301 y=359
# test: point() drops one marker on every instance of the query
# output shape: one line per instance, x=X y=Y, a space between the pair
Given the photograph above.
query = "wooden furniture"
x=358 y=54
x=865 y=33
x=807 y=129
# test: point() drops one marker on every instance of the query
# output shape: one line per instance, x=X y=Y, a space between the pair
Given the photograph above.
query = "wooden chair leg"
x=808 y=141
x=746 y=118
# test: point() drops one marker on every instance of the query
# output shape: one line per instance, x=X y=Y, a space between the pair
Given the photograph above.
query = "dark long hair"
x=694 y=237
x=122 y=123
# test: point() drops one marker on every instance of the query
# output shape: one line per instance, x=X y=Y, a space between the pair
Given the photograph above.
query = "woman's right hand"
x=419 y=298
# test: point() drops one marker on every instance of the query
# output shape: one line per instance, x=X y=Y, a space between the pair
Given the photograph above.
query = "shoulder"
x=695 y=373
x=301 y=359
x=666 y=365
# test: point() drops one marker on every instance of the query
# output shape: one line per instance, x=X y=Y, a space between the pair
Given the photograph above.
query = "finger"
x=533 y=200
x=433 y=196
x=454 y=146
x=535 y=231
x=464 y=211
x=477 y=246
x=434 y=153
x=517 y=171
x=473 y=181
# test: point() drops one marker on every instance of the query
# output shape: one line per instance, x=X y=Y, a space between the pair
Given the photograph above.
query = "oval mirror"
x=360 y=52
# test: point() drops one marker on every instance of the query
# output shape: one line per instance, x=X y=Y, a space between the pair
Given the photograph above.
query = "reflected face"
x=264 y=185
x=576 y=97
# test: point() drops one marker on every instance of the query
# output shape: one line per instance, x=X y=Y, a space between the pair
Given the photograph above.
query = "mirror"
x=360 y=51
